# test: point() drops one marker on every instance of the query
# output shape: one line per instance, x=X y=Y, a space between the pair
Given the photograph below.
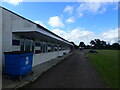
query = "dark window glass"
x=37 y=44
x=33 y=47
x=43 y=48
x=16 y=42
x=22 y=46
x=49 y=47
x=27 y=45
x=55 y=47
x=52 y=48
x=46 y=48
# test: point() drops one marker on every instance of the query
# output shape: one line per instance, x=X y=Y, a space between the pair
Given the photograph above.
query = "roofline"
x=38 y=25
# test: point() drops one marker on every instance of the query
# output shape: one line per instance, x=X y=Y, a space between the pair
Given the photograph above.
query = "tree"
x=92 y=42
x=97 y=44
x=115 y=46
x=103 y=43
x=82 y=44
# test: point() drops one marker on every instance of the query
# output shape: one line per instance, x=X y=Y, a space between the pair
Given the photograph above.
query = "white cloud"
x=111 y=36
x=56 y=22
x=59 y=32
x=39 y=22
x=14 y=2
x=92 y=7
x=69 y=9
x=77 y=35
x=70 y=20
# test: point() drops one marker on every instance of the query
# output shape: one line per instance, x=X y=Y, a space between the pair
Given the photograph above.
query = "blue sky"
x=74 y=21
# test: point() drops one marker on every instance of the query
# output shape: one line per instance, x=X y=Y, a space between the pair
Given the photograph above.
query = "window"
x=27 y=45
x=49 y=47
x=52 y=48
x=63 y=48
x=37 y=44
x=22 y=45
x=56 y=48
x=60 y=48
x=33 y=47
x=43 y=47
x=37 y=48
x=16 y=42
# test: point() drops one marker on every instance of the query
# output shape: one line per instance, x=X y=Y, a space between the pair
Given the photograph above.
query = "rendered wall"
x=0 y=48
x=7 y=33
x=43 y=57
x=10 y=23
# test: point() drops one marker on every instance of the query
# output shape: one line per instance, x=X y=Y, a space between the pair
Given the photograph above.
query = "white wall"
x=43 y=57
x=7 y=33
x=0 y=48
x=11 y=22
x=22 y=24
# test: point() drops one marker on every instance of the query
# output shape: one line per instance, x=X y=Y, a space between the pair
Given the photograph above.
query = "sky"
x=74 y=21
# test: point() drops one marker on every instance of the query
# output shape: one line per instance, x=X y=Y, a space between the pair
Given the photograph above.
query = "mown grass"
x=106 y=64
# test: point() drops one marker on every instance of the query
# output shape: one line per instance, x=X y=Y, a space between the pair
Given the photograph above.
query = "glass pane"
x=22 y=45
x=27 y=45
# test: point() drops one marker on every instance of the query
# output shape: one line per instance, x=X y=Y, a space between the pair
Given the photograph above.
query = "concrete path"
x=74 y=72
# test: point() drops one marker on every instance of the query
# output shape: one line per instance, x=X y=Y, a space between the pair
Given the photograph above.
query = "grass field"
x=106 y=64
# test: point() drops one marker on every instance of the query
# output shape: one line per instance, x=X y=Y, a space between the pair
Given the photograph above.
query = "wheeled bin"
x=18 y=64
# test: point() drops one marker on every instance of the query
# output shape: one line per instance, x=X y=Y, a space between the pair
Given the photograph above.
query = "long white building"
x=21 y=34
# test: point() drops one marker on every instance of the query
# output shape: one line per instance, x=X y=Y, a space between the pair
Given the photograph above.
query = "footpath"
x=37 y=71
x=74 y=72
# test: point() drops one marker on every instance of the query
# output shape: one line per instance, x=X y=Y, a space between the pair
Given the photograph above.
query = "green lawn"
x=106 y=64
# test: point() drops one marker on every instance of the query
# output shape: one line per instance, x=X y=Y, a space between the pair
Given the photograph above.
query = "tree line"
x=98 y=44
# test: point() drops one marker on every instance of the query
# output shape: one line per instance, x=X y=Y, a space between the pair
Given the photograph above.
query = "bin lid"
x=18 y=52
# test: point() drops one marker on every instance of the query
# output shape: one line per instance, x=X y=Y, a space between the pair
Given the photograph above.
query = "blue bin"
x=18 y=63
